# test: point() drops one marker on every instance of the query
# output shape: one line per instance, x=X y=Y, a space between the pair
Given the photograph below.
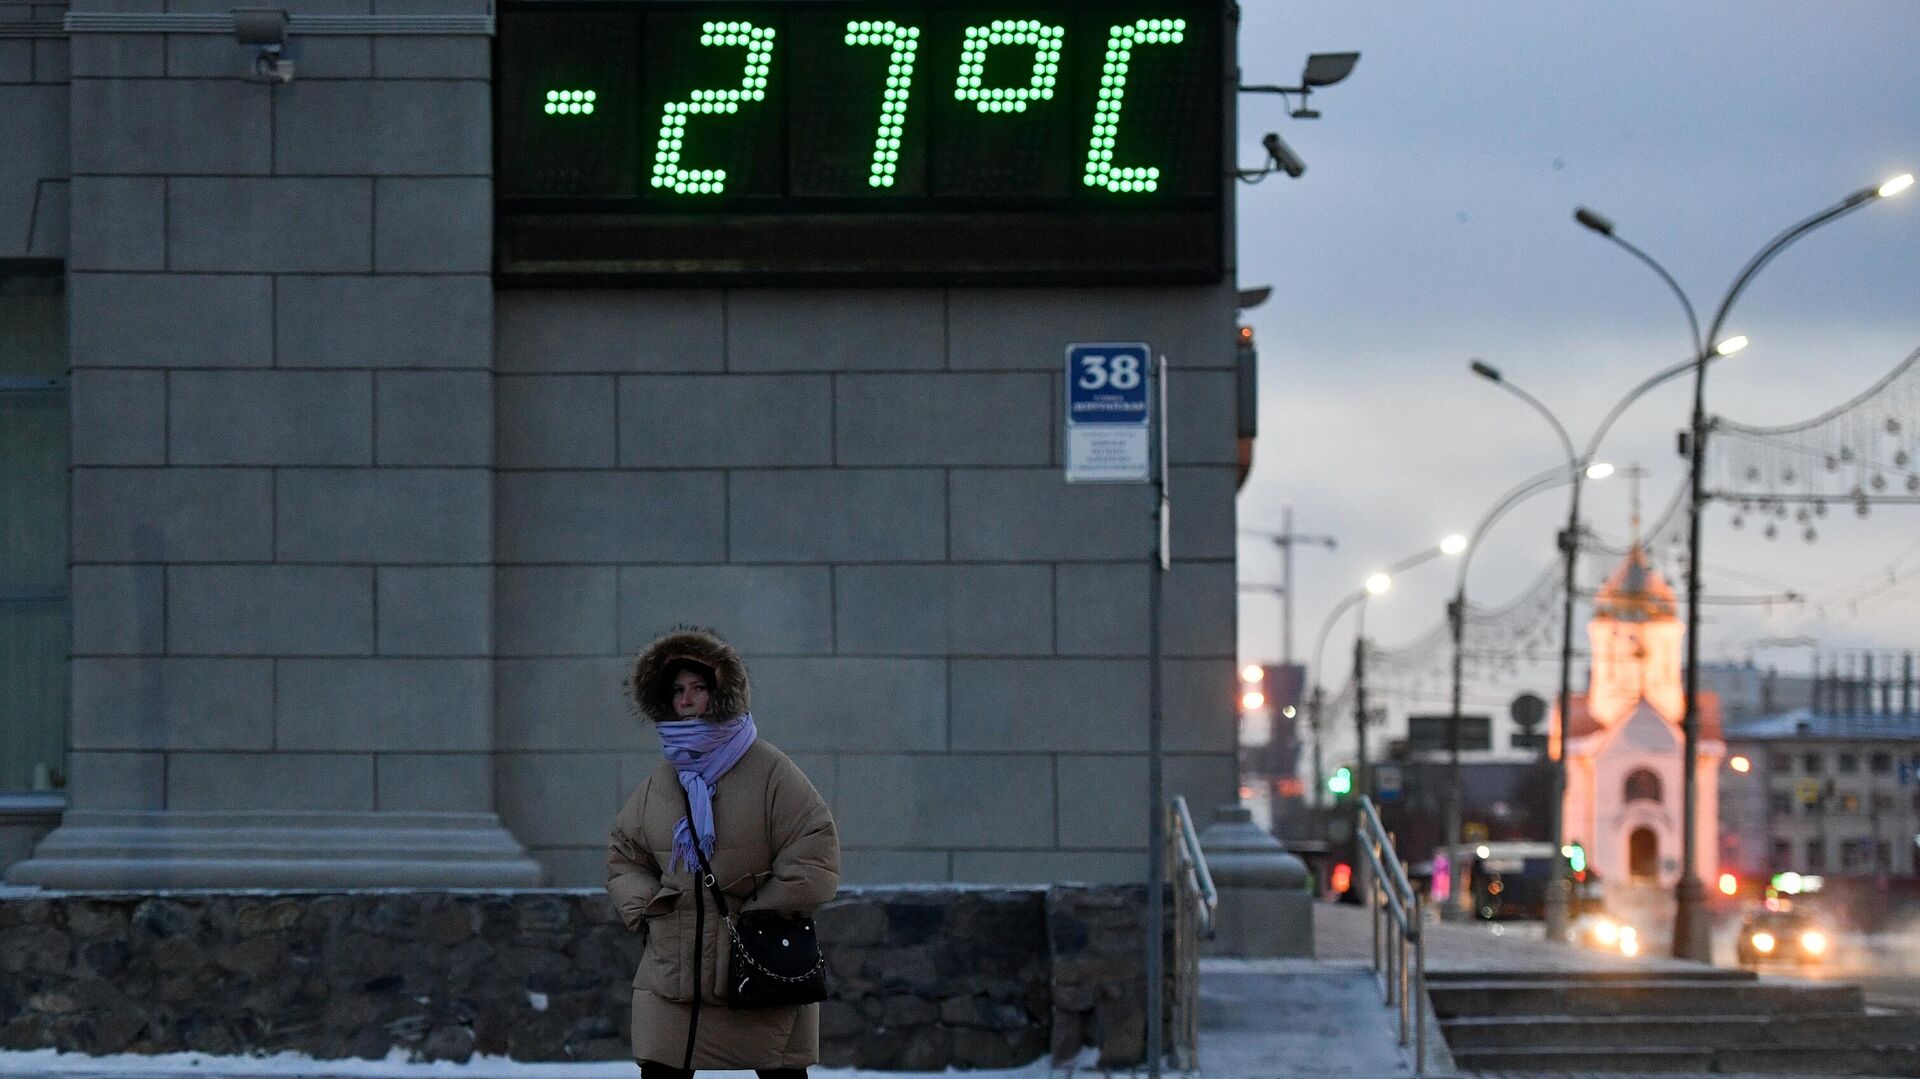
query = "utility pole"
x=1286 y=539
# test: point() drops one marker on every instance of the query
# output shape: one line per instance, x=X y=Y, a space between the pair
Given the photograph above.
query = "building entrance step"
x=1640 y=996
x=1724 y=1032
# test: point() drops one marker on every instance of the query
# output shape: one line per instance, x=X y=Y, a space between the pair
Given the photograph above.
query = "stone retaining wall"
x=922 y=979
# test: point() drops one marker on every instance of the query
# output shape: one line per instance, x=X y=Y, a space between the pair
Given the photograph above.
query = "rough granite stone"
x=919 y=980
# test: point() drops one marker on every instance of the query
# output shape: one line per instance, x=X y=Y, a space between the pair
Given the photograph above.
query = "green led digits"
x=905 y=42
x=667 y=173
x=1101 y=171
x=570 y=102
x=1045 y=41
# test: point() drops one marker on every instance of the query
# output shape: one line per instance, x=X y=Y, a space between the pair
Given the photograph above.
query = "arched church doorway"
x=1643 y=854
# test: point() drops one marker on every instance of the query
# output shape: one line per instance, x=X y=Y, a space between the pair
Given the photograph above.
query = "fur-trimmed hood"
x=652 y=688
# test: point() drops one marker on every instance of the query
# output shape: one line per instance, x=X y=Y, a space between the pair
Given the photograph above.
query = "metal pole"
x=1361 y=779
x=1420 y=988
x=1689 y=914
x=1286 y=587
x=1156 y=817
x=1457 y=620
x=1556 y=806
x=1319 y=779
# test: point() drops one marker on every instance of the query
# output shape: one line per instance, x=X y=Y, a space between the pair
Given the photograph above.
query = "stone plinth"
x=1265 y=908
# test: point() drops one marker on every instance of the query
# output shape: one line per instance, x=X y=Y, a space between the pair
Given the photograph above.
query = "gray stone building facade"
x=352 y=547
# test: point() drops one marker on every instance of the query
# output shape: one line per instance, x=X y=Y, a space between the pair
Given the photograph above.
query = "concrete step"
x=1689 y=973
x=1866 y=1059
x=1654 y=1060
x=1582 y=997
x=1638 y=1061
x=1761 y=1032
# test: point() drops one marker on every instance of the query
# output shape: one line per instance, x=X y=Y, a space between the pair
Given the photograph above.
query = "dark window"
x=1883 y=801
x=33 y=541
x=1811 y=763
x=1780 y=855
x=1779 y=763
x=1816 y=854
x=1856 y=854
x=1847 y=763
x=1880 y=763
x=1780 y=803
x=1643 y=786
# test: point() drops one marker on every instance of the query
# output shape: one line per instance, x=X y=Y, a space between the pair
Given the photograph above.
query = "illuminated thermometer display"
x=1048 y=121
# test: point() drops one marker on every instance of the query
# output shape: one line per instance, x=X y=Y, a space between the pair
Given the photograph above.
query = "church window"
x=1643 y=786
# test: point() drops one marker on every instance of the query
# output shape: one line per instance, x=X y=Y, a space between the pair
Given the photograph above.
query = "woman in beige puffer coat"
x=773 y=847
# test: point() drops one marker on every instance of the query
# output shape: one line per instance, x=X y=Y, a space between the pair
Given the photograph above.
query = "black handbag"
x=773 y=958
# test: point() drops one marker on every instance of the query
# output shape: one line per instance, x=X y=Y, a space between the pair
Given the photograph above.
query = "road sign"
x=1429 y=733
x=1387 y=782
x=1107 y=413
x=1527 y=710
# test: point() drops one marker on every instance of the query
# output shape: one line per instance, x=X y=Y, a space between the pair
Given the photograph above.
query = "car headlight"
x=1813 y=942
x=1763 y=942
x=1606 y=932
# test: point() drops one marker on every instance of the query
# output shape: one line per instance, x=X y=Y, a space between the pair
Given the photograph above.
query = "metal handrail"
x=1194 y=862
x=1390 y=895
x=1194 y=903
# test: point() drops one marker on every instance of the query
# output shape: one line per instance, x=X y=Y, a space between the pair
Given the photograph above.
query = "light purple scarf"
x=701 y=751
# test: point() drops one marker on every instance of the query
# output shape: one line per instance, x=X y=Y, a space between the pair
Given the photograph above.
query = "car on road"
x=1782 y=936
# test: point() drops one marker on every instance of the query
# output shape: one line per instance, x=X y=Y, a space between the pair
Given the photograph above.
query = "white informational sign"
x=1107 y=414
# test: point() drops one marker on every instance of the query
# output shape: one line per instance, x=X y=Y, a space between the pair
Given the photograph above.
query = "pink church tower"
x=1624 y=738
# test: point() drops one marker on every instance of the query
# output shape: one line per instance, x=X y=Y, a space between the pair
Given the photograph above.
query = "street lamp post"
x=1376 y=584
x=1457 y=623
x=1569 y=555
x=1690 y=940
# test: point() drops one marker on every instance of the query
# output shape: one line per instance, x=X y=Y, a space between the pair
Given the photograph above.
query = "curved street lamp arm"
x=1412 y=560
x=1533 y=485
x=1655 y=379
x=1774 y=247
x=1693 y=320
x=1326 y=627
x=1565 y=442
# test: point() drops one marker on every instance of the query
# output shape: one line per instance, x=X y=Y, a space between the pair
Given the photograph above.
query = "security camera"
x=264 y=31
x=1283 y=156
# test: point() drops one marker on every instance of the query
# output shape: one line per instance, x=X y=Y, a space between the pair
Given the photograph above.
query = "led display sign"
x=922 y=141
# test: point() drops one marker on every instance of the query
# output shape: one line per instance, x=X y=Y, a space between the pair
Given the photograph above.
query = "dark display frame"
x=1073 y=236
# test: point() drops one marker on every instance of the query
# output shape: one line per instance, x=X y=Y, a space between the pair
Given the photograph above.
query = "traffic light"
x=1729 y=884
x=1340 y=783
x=1253 y=688
x=1576 y=859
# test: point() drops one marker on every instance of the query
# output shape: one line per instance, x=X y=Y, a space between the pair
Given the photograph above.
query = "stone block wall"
x=921 y=979
x=282 y=423
x=33 y=127
x=862 y=489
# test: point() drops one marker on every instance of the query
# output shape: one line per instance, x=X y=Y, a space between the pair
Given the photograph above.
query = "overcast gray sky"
x=1434 y=224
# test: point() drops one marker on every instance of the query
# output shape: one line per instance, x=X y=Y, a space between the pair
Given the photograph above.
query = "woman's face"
x=691 y=695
